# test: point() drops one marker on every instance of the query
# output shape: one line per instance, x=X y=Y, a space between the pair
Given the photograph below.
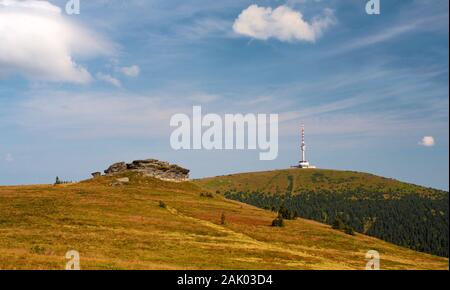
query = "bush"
x=207 y=194
x=278 y=222
x=58 y=181
x=162 y=204
x=38 y=250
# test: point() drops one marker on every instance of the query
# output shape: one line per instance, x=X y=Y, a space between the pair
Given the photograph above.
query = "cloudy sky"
x=79 y=92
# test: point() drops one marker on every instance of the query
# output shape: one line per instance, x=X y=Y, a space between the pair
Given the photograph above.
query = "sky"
x=79 y=92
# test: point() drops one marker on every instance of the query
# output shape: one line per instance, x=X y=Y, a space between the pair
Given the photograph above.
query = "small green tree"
x=57 y=181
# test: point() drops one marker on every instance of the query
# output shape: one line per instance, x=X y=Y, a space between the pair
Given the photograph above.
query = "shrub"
x=278 y=222
x=58 y=181
x=162 y=204
x=206 y=194
x=38 y=250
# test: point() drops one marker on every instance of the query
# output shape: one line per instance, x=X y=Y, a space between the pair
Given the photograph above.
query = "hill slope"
x=401 y=213
x=126 y=226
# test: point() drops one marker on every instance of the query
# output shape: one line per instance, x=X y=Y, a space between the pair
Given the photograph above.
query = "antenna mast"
x=304 y=164
x=303 y=147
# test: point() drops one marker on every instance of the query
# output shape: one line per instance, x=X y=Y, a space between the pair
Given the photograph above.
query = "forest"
x=409 y=220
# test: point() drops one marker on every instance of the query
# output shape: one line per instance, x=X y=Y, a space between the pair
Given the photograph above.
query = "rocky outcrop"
x=116 y=168
x=152 y=168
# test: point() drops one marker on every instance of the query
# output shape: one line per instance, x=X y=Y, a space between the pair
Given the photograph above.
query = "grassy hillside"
x=313 y=179
x=125 y=227
x=404 y=214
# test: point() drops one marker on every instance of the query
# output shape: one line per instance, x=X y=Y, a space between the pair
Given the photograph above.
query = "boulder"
x=152 y=168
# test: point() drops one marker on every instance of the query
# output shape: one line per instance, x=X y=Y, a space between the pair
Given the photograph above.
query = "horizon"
x=70 y=181
x=102 y=86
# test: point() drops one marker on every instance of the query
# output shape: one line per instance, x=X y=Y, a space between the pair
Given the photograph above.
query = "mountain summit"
x=401 y=213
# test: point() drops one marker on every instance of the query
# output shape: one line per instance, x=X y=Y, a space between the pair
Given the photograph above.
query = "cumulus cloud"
x=109 y=79
x=39 y=43
x=131 y=71
x=427 y=141
x=282 y=23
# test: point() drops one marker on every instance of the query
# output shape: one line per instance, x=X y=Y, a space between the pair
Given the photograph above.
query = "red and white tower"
x=303 y=162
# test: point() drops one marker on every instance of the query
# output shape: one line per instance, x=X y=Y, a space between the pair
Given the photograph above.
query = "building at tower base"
x=305 y=165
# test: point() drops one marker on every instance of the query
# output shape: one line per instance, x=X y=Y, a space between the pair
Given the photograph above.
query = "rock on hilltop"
x=152 y=168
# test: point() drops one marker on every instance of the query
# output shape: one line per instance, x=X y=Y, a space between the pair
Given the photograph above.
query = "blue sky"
x=80 y=92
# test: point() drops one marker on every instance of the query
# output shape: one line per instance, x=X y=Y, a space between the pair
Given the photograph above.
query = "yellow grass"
x=124 y=227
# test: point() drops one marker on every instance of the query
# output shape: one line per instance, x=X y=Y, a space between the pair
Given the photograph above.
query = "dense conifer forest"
x=410 y=220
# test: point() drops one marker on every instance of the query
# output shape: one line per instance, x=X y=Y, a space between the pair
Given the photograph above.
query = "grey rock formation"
x=116 y=168
x=152 y=168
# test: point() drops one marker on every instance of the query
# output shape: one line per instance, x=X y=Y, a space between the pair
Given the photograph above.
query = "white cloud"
x=131 y=71
x=39 y=43
x=392 y=33
x=109 y=79
x=283 y=23
x=427 y=141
